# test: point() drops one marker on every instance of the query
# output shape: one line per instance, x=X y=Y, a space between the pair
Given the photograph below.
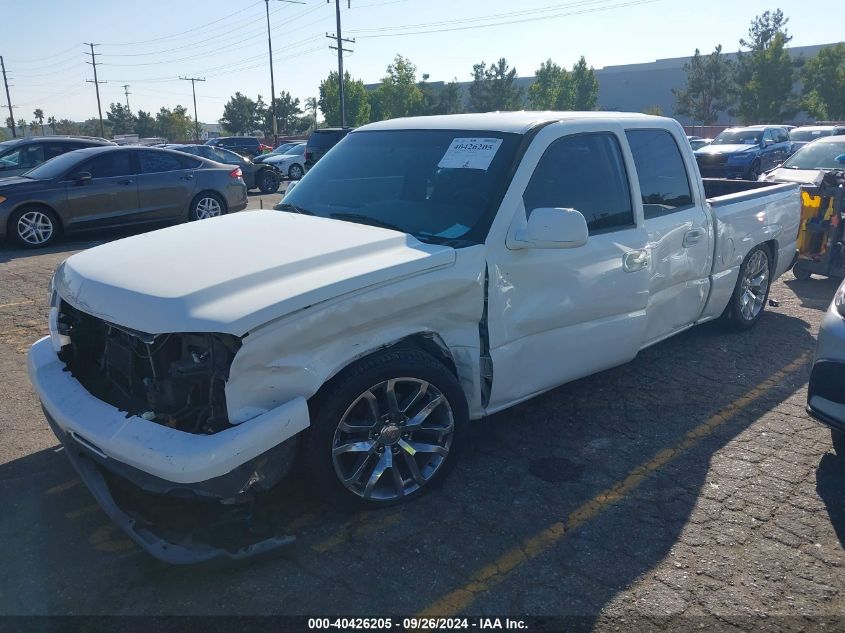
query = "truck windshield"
x=738 y=137
x=818 y=155
x=440 y=186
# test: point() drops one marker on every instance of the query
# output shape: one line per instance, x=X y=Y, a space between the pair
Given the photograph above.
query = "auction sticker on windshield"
x=470 y=153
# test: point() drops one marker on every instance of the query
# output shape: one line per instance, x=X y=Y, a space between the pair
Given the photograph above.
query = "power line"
x=96 y=83
x=8 y=99
x=193 y=81
x=340 y=51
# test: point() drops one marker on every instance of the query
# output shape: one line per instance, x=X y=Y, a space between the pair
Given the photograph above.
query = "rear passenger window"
x=155 y=162
x=189 y=163
x=663 y=178
x=583 y=172
x=109 y=165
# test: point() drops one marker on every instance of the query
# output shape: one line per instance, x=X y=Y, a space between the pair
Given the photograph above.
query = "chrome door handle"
x=692 y=237
x=632 y=261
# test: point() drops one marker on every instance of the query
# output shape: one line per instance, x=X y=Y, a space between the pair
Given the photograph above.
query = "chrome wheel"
x=295 y=172
x=393 y=439
x=207 y=207
x=754 y=285
x=35 y=228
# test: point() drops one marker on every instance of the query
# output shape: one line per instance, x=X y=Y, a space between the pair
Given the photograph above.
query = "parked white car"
x=292 y=164
x=425 y=273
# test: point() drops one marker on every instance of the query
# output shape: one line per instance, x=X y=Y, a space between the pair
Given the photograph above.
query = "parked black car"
x=22 y=154
x=321 y=141
x=248 y=146
x=263 y=177
x=108 y=186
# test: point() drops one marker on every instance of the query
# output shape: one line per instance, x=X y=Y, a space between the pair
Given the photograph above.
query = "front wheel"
x=754 y=171
x=268 y=181
x=206 y=205
x=34 y=227
x=385 y=430
x=751 y=291
x=295 y=172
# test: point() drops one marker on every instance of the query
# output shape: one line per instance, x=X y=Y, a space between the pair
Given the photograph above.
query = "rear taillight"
x=236 y=173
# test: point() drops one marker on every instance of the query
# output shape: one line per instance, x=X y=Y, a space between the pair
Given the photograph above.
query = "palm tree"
x=22 y=126
x=51 y=121
x=311 y=104
x=38 y=113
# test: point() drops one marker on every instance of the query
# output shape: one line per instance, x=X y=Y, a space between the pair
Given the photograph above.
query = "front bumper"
x=826 y=391
x=228 y=466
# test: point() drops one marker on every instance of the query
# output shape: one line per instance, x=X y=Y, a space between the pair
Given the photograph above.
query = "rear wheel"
x=295 y=172
x=34 y=226
x=386 y=430
x=268 y=181
x=751 y=291
x=207 y=205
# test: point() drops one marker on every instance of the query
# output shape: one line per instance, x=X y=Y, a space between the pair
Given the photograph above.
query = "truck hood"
x=234 y=273
x=710 y=150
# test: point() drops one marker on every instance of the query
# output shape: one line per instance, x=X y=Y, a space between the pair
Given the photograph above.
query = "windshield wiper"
x=365 y=219
x=287 y=206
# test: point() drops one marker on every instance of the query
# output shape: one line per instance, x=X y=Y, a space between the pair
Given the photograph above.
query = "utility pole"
x=96 y=83
x=193 y=81
x=127 y=93
x=272 y=81
x=8 y=99
x=340 y=51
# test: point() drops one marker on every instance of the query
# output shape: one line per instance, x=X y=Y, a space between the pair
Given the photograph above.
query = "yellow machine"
x=820 y=238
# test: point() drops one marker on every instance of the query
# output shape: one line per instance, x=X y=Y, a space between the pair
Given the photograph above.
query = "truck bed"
x=720 y=191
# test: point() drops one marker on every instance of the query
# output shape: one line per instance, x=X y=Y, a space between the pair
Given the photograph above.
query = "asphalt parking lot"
x=687 y=487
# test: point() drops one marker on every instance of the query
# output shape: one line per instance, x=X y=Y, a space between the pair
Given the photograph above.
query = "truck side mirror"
x=551 y=228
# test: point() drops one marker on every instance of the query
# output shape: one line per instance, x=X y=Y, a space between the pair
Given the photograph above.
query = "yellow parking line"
x=18 y=303
x=491 y=575
x=361 y=529
x=62 y=487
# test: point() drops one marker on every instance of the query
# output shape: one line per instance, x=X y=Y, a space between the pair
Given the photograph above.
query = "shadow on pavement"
x=525 y=469
x=830 y=484
x=815 y=293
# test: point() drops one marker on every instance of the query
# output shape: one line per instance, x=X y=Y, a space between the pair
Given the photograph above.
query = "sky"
x=149 y=44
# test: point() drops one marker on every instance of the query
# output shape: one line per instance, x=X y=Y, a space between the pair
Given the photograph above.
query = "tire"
x=800 y=272
x=378 y=441
x=838 y=439
x=268 y=181
x=34 y=226
x=203 y=206
x=754 y=170
x=752 y=290
x=295 y=172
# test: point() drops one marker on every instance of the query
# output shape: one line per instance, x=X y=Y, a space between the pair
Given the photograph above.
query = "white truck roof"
x=518 y=122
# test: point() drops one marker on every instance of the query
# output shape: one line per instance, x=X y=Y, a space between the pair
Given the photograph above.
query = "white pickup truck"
x=425 y=273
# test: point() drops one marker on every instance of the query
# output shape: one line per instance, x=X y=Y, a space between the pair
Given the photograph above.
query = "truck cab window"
x=663 y=178
x=583 y=172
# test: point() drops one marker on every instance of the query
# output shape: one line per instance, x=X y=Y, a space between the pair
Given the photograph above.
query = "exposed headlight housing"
x=839 y=300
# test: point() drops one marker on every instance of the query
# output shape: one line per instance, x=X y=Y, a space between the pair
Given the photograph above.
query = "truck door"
x=680 y=233
x=555 y=315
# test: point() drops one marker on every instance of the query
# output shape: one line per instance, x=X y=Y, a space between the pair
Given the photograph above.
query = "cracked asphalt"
x=686 y=488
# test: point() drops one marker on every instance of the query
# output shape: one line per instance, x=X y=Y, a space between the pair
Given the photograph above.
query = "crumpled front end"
x=144 y=422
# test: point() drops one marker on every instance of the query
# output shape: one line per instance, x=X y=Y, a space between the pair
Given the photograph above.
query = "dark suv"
x=744 y=152
x=248 y=146
x=22 y=154
x=321 y=141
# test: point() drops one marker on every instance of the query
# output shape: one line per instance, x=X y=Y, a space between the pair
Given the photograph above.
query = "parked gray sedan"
x=109 y=186
x=825 y=394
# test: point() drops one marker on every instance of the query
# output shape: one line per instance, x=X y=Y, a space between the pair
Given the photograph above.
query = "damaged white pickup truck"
x=426 y=272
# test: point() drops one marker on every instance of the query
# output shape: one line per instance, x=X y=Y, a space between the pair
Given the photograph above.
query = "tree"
x=398 y=94
x=122 y=119
x=494 y=88
x=709 y=89
x=823 y=81
x=357 y=101
x=288 y=115
x=240 y=115
x=175 y=124
x=552 y=88
x=765 y=74
x=51 y=121
x=38 y=113
x=66 y=126
x=439 y=98
x=311 y=106
x=22 y=126
x=91 y=127
x=655 y=110
x=145 y=124
x=585 y=86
